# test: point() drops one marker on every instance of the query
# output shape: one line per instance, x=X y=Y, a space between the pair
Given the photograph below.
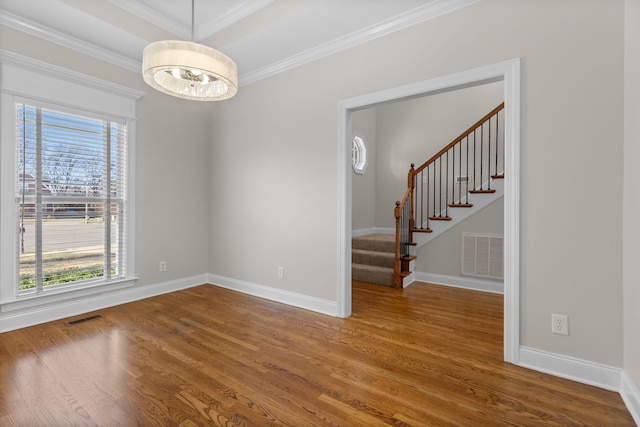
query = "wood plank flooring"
x=423 y=356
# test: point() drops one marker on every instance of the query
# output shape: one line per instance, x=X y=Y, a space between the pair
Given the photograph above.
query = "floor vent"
x=84 y=319
x=482 y=255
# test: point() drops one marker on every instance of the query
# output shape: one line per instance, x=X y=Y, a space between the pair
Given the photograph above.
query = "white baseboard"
x=373 y=230
x=631 y=397
x=285 y=297
x=460 y=282
x=571 y=368
x=23 y=319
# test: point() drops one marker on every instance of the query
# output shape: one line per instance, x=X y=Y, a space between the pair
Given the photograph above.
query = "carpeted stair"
x=372 y=258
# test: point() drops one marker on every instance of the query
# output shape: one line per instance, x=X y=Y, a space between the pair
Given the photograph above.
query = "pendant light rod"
x=193 y=14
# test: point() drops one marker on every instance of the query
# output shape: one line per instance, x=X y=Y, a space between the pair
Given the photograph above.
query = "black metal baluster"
x=498 y=142
x=467 y=186
x=481 y=155
x=446 y=188
x=428 y=220
x=489 y=157
x=475 y=162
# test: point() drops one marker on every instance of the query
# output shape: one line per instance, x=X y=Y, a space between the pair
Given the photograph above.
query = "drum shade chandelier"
x=189 y=70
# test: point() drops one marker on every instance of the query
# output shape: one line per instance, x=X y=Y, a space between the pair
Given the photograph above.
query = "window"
x=67 y=152
x=70 y=199
x=358 y=154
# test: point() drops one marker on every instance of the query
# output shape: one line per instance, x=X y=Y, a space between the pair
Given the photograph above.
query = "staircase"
x=465 y=175
x=372 y=258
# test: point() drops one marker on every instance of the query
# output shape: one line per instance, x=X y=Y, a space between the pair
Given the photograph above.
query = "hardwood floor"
x=425 y=355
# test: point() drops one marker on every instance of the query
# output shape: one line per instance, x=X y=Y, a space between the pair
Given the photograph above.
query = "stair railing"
x=465 y=165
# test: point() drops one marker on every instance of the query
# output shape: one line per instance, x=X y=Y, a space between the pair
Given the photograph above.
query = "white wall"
x=274 y=171
x=631 y=207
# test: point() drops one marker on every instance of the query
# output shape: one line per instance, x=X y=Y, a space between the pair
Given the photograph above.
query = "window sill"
x=67 y=294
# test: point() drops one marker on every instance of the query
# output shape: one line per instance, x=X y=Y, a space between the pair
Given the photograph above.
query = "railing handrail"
x=462 y=136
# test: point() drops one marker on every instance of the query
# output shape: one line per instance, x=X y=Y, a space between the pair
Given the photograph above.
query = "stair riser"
x=381 y=259
x=373 y=245
x=378 y=277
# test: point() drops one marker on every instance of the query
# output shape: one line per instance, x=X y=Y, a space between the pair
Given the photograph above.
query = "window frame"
x=32 y=82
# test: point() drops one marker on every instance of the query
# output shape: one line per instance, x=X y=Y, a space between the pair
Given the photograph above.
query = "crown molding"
x=242 y=10
x=12 y=58
x=46 y=33
x=405 y=20
x=156 y=18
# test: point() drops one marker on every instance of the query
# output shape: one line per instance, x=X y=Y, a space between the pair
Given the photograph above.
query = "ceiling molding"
x=242 y=10
x=405 y=20
x=12 y=58
x=65 y=40
x=156 y=18
x=402 y=21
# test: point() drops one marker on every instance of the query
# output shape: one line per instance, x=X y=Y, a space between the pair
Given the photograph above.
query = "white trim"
x=571 y=368
x=306 y=302
x=65 y=40
x=373 y=230
x=631 y=397
x=28 y=77
x=509 y=72
x=230 y=17
x=460 y=282
x=79 y=306
x=405 y=20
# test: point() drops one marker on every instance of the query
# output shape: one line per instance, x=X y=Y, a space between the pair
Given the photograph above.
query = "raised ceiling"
x=263 y=37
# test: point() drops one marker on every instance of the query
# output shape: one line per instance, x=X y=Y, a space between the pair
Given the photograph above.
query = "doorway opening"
x=509 y=73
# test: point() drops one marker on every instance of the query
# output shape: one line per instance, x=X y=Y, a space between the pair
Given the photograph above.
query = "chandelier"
x=189 y=70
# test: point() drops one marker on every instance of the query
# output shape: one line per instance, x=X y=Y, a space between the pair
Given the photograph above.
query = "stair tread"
x=440 y=218
x=481 y=191
x=409 y=258
x=460 y=205
x=497 y=176
x=420 y=230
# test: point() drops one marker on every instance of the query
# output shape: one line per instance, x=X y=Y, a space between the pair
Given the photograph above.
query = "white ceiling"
x=263 y=37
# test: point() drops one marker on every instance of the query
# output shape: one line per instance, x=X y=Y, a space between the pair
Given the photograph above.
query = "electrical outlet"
x=280 y=272
x=163 y=266
x=560 y=324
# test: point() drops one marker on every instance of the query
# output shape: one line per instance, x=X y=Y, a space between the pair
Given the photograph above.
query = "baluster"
x=498 y=142
x=489 y=157
x=481 y=155
x=467 y=185
x=428 y=220
x=446 y=189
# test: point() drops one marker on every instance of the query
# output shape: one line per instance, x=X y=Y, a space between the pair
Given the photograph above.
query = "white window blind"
x=70 y=199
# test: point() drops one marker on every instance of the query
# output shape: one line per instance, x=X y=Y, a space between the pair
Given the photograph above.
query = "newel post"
x=397 y=264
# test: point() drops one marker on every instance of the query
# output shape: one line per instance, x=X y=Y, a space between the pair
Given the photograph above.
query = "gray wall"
x=172 y=166
x=443 y=254
x=289 y=170
x=631 y=207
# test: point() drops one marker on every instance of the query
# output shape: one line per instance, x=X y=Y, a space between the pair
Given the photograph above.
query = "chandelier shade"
x=189 y=70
